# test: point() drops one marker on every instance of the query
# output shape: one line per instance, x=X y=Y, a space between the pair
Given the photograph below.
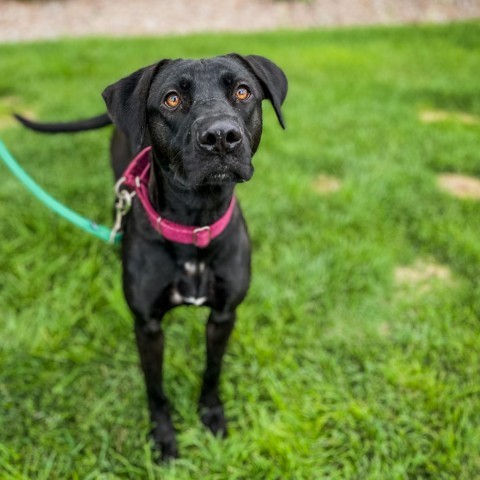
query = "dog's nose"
x=220 y=137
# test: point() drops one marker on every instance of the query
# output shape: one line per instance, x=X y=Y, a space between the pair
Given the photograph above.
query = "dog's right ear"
x=127 y=102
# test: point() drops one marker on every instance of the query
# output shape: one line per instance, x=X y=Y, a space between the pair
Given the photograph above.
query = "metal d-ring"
x=123 y=204
x=199 y=230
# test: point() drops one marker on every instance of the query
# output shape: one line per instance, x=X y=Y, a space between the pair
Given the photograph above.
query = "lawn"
x=357 y=352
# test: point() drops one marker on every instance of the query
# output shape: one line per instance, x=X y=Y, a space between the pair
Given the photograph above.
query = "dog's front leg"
x=150 y=343
x=219 y=328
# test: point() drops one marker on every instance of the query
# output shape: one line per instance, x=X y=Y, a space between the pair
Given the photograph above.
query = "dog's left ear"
x=271 y=77
x=126 y=102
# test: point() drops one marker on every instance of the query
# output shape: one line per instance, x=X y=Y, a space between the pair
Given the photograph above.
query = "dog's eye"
x=242 y=93
x=172 y=100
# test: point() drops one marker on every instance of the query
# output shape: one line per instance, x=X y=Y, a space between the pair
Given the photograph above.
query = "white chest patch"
x=194 y=268
x=194 y=271
x=178 y=299
x=195 y=301
x=175 y=297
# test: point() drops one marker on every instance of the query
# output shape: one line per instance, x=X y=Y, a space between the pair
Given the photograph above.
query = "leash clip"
x=123 y=204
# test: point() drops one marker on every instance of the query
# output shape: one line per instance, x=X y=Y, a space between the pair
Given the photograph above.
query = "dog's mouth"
x=217 y=171
x=195 y=169
x=237 y=173
x=221 y=177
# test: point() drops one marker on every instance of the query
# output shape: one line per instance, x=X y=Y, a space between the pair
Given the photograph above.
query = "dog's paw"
x=213 y=417
x=165 y=444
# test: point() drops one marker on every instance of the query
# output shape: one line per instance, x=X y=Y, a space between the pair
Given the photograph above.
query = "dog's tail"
x=93 y=123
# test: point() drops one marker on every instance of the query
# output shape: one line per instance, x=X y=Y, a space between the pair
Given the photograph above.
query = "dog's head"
x=203 y=118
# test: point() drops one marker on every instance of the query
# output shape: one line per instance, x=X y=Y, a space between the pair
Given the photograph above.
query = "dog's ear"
x=127 y=102
x=272 y=79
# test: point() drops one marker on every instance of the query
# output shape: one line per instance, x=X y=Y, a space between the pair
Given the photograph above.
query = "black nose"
x=220 y=137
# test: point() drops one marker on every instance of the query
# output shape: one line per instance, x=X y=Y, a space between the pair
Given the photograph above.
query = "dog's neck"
x=200 y=206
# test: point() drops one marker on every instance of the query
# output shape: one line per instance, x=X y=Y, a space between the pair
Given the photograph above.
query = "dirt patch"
x=6 y=121
x=9 y=104
x=384 y=329
x=439 y=116
x=423 y=275
x=461 y=186
x=326 y=184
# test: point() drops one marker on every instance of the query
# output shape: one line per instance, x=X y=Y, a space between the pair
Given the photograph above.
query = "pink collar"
x=136 y=176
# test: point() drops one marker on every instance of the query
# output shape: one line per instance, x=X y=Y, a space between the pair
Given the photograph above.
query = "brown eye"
x=242 y=93
x=172 y=100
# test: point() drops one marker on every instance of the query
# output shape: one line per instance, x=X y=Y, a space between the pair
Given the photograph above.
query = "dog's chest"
x=192 y=283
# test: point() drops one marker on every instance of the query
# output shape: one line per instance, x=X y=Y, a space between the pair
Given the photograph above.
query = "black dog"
x=203 y=120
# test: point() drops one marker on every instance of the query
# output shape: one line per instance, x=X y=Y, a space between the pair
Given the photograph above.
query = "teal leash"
x=106 y=234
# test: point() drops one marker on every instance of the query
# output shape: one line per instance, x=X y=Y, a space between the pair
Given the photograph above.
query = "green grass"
x=334 y=370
